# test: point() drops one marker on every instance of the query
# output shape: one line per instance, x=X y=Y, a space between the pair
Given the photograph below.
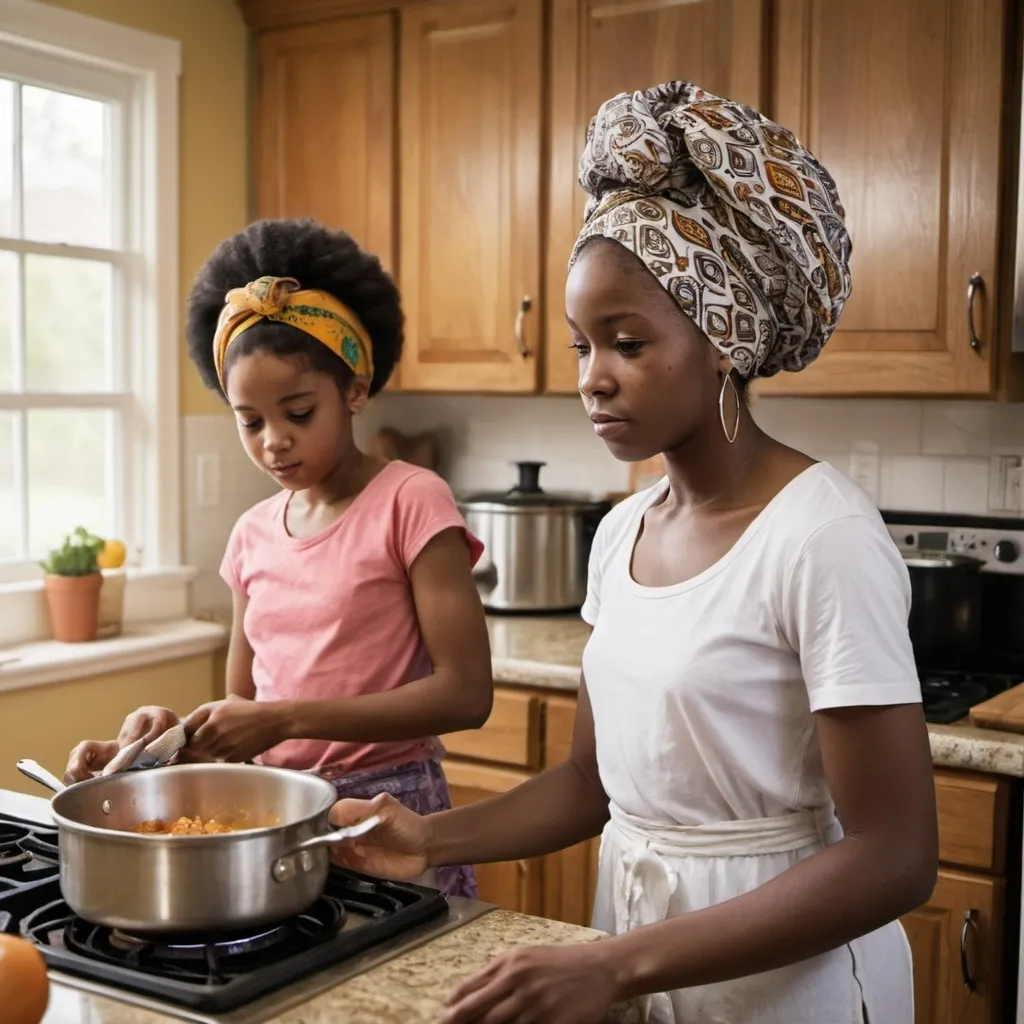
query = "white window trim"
x=153 y=64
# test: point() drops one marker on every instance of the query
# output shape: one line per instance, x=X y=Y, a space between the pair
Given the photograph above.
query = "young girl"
x=749 y=740
x=357 y=634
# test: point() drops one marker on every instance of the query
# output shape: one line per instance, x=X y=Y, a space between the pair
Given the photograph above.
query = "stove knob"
x=1006 y=551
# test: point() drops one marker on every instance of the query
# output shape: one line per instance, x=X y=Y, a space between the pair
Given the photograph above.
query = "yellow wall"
x=45 y=722
x=214 y=130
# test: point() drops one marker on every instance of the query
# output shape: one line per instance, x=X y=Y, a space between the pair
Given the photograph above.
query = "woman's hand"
x=234 y=729
x=397 y=848
x=92 y=756
x=537 y=985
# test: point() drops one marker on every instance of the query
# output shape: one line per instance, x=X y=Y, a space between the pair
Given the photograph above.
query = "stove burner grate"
x=198 y=959
x=27 y=854
x=949 y=696
x=11 y=851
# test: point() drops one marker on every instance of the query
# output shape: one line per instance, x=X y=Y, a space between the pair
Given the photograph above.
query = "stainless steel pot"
x=160 y=883
x=945 y=610
x=537 y=545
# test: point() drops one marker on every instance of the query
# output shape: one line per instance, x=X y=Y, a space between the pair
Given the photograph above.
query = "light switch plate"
x=208 y=481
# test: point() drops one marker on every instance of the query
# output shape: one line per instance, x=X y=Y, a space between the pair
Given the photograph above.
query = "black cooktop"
x=949 y=696
x=208 y=973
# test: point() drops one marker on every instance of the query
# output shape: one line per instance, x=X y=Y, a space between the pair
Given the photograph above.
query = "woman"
x=749 y=734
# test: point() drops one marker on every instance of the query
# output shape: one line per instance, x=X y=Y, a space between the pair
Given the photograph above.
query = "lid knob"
x=529 y=478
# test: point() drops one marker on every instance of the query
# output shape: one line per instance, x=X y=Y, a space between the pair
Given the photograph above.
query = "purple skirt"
x=420 y=786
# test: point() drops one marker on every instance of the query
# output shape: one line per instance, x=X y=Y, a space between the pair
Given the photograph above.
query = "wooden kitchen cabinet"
x=484 y=104
x=325 y=130
x=902 y=101
x=570 y=876
x=957 y=943
x=599 y=49
x=470 y=132
x=513 y=885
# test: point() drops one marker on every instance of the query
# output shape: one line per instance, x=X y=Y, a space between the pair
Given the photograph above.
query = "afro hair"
x=318 y=258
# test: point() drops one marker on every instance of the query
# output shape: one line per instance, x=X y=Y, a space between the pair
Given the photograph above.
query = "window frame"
x=51 y=47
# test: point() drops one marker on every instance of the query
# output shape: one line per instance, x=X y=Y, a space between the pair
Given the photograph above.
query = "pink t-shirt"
x=332 y=615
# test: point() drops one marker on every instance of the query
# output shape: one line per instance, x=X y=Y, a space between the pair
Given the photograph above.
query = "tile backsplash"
x=913 y=455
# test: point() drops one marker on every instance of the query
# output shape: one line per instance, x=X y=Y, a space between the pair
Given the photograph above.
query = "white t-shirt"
x=702 y=692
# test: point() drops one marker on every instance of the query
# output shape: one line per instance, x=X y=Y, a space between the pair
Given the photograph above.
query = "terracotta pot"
x=74 y=604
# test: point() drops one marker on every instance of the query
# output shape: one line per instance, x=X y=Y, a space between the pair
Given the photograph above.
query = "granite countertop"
x=407 y=990
x=545 y=651
x=538 y=650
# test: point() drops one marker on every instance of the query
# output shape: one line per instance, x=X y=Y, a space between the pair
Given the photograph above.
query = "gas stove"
x=968 y=673
x=227 y=978
x=949 y=696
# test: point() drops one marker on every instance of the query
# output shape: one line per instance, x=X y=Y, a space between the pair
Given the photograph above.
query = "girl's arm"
x=878 y=765
x=239 y=668
x=456 y=695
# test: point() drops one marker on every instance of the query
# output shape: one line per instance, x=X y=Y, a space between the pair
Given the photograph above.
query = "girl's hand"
x=92 y=756
x=396 y=848
x=537 y=985
x=233 y=730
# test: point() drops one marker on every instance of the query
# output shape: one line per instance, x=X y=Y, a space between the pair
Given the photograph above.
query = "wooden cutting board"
x=1005 y=711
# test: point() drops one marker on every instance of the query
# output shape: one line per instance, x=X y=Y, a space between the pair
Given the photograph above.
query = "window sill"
x=42 y=662
x=151 y=595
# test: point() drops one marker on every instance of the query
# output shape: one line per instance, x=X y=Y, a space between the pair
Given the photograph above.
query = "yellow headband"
x=317 y=313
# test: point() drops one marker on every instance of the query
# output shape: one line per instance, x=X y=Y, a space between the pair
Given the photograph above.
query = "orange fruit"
x=113 y=555
x=24 y=986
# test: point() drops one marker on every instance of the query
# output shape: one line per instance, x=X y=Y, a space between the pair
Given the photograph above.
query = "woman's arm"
x=560 y=807
x=456 y=695
x=878 y=766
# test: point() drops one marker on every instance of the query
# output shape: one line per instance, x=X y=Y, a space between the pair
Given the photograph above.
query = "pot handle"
x=297 y=860
x=37 y=773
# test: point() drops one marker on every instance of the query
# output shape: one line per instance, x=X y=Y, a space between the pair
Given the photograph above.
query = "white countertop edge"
x=46 y=662
x=28 y=808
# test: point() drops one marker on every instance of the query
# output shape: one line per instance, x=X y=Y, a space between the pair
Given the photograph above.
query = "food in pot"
x=184 y=827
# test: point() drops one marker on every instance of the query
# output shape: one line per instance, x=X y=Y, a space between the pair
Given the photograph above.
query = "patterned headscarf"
x=282 y=299
x=740 y=224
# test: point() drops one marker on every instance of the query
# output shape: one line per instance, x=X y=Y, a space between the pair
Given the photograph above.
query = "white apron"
x=651 y=871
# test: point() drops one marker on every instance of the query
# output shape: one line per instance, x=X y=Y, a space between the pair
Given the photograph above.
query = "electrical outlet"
x=1004 y=483
x=208 y=481
x=864 y=468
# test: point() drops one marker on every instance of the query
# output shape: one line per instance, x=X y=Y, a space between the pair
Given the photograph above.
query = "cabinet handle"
x=524 y=308
x=970 y=982
x=524 y=879
x=976 y=284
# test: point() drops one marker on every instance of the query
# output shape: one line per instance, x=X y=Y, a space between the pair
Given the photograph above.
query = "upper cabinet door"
x=901 y=101
x=600 y=48
x=326 y=128
x=470 y=100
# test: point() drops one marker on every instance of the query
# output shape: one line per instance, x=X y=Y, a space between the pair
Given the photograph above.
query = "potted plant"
x=72 y=587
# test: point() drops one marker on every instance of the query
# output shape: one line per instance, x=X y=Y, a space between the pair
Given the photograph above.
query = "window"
x=89 y=293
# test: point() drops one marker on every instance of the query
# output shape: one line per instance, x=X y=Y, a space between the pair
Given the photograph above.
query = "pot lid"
x=528 y=493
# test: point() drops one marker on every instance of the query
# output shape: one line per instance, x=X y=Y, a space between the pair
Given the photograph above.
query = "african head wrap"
x=739 y=223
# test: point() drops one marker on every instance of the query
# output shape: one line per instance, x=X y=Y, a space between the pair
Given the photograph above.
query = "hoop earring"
x=727 y=380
